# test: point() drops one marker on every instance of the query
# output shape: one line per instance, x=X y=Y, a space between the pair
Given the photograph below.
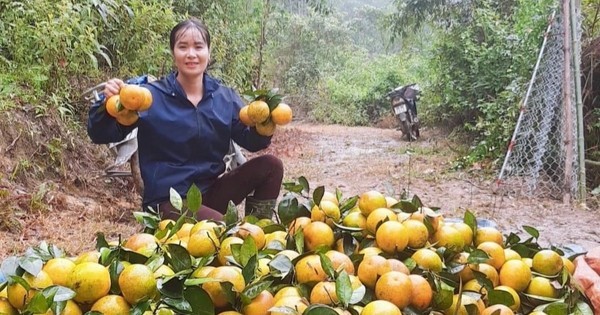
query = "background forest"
x=334 y=59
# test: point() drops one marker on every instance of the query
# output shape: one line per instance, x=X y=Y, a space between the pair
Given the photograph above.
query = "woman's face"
x=191 y=53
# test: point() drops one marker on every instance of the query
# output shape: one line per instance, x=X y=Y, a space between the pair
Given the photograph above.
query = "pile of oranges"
x=258 y=114
x=124 y=107
x=364 y=255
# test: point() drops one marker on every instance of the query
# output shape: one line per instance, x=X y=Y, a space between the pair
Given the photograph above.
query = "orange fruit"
x=137 y=283
x=355 y=219
x=568 y=265
x=112 y=305
x=163 y=271
x=418 y=235
x=466 y=273
x=258 y=111
x=247 y=229
x=378 y=216
x=511 y=254
x=324 y=293
x=298 y=224
x=287 y=291
x=282 y=114
x=309 y=270
x=185 y=230
x=266 y=128
x=90 y=281
x=391 y=236
x=327 y=212
x=318 y=234
x=203 y=243
x=223 y=273
x=59 y=270
x=541 y=286
x=488 y=234
x=147 y=100
x=225 y=249
x=6 y=308
x=244 y=118
x=143 y=243
x=421 y=292
x=371 y=200
x=202 y=272
x=448 y=236
x=380 y=307
x=127 y=117
x=427 y=259
x=368 y=269
x=515 y=274
x=466 y=232
x=259 y=305
x=133 y=97
x=456 y=309
x=490 y=272
x=547 y=262
x=497 y=309
x=298 y=304
x=112 y=106
x=19 y=297
x=329 y=196
x=393 y=264
x=495 y=252
x=395 y=287
x=340 y=261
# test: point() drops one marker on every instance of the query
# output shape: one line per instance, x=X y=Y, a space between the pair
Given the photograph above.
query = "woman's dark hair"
x=182 y=26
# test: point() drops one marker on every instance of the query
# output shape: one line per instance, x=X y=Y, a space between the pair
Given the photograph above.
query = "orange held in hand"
x=258 y=111
x=135 y=97
x=282 y=114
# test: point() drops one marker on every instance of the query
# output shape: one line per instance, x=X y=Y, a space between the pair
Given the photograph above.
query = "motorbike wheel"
x=409 y=131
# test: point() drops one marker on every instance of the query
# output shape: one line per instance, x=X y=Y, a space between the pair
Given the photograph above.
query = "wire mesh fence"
x=542 y=157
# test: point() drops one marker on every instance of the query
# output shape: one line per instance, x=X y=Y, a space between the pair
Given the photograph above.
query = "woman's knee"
x=271 y=163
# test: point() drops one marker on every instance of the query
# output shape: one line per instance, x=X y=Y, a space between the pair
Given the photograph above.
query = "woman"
x=184 y=136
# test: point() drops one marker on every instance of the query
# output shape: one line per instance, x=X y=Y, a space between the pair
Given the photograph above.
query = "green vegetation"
x=334 y=59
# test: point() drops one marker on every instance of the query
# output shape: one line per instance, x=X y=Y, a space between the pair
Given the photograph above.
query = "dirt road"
x=357 y=159
x=351 y=159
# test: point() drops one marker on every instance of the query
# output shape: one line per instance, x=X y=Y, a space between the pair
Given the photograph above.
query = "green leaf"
x=247 y=250
x=471 y=221
x=171 y=287
x=557 y=308
x=38 y=304
x=299 y=241
x=194 y=199
x=249 y=270
x=408 y=207
x=198 y=281
x=347 y=228
x=348 y=204
x=288 y=209
x=140 y=308
x=582 y=308
x=478 y=256
x=229 y=290
x=253 y=290
x=180 y=305
x=32 y=265
x=9 y=266
x=343 y=288
x=282 y=264
x=114 y=270
x=416 y=201
x=231 y=216
x=318 y=195
x=58 y=293
x=357 y=295
x=178 y=257
x=532 y=231
x=101 y=241
x=304 y=183
x=442 y=299
x=175 y=199
x=319 y=309
x=500 y=297
x=199 y=300
x=327 y=266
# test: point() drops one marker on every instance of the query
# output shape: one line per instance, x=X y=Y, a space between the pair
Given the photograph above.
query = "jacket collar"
x=170 y=85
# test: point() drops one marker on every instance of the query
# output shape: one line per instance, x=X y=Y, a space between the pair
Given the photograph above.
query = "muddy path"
x=351 y=159
x=357 y=159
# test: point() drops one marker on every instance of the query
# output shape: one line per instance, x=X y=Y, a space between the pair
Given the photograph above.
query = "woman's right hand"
x=112 y=87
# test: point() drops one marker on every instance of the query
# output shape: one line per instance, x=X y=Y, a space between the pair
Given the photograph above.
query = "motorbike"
x=404 y=105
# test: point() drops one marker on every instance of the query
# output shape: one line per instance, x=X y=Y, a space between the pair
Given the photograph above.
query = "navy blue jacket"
x=179 y=143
